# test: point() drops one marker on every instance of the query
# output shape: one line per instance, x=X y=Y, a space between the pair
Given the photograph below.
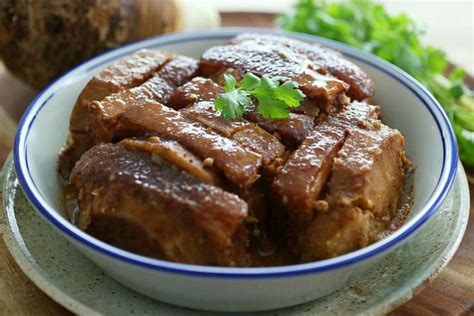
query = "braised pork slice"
x=305 y=173
x=368 y=171
x=325 y=59
x=162 y=173
x=151 y=207
x=158 y=88
x=340 y=231
x=99 y=121
x=176 y=154
x=239 y=165
x=276 y=61
x=204 y=113
x=290 y=131
x=196 y=90
x=245 y=133
x=124 y=74
x=364 y=193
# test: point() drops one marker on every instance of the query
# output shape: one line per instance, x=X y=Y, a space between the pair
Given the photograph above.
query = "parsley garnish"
x=274 y=99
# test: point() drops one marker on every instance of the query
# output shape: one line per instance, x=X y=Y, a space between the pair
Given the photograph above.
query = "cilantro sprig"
x=273 y=98
x=395 y=38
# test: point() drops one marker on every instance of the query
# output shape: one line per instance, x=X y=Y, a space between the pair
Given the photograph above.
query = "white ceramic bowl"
x=406 y=105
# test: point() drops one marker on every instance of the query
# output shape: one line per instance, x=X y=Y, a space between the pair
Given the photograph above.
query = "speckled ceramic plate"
x=69 y=278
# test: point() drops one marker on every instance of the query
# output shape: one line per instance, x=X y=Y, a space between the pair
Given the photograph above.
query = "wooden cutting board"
x=452 y=292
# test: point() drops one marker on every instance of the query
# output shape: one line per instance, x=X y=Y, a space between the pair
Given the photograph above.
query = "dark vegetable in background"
x=41 y=39
x=395 y=38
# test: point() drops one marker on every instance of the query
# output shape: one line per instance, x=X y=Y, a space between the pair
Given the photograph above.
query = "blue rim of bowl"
x=445 y=181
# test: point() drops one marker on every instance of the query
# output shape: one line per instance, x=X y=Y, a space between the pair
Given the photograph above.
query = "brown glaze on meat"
x=292 y=131
x=276 y=60
x=180 y=218
x=204 y=113
x=261 y=142
x=196 y=90
x=245 y=133
x=124 y=74
x=100 y=120
x=177 y=181
x=158 y=88
x=337 y=232
x=325 y=59
x=178 y=71
x=368 y=171
x=240 y=166
x=364 y=193
x=304 y=175
x=174 y=153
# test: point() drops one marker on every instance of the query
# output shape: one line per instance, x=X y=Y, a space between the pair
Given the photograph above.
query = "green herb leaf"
x=232 y=103
x=271 y=108
x=229 y=83
x=273 y=98
x=289 y=93
x=249 y=82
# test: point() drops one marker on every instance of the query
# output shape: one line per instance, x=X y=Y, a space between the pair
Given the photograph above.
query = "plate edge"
x=427 y=278
x=19 y=253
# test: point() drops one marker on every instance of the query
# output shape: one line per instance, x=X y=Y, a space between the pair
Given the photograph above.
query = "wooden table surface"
x=451 y=293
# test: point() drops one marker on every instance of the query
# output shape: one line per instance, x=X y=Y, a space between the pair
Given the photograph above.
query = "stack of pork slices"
x=159 y=172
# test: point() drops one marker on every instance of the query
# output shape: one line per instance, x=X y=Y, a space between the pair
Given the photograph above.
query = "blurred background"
x=448 y=25
x=432 y=40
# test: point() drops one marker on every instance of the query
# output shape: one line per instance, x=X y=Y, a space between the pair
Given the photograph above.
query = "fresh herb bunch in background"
x=273 y=99
x=395 y=38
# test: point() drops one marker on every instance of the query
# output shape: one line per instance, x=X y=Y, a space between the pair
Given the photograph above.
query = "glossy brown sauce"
x=69 y=202
x=408 y=198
